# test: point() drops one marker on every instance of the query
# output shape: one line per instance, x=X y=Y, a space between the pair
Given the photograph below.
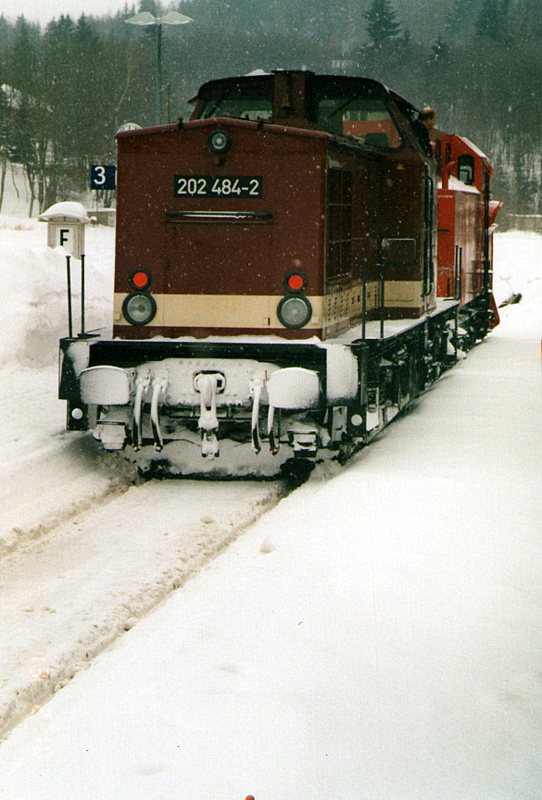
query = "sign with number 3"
x=102 y=176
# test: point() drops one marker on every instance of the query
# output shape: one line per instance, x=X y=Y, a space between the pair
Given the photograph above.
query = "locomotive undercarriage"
x=175 y=407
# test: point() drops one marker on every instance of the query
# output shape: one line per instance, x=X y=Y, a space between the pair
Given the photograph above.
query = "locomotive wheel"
x=296 y=471
x=347 y=449
x=160 y=469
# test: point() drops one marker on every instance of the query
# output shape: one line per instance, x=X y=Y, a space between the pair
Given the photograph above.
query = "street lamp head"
x=144 y=18
x=175 y=18
x=171 y=18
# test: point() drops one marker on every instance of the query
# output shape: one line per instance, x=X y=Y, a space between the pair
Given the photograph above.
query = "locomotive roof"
x=351 y=83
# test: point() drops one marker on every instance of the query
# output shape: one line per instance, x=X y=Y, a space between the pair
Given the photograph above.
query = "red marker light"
x=140 y=279
x=295 y=282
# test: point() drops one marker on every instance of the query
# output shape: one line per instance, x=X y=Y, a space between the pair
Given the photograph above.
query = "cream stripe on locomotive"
x=260 y=311
x=346 y=303
x=219 y=311
x=403 y=294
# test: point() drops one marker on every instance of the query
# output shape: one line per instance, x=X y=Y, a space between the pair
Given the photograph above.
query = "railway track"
x=86 y=549
x=72 y=591
x=51 y=481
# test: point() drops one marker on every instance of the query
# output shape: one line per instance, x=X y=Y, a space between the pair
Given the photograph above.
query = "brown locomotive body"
x=275 y=277
x=287 y=198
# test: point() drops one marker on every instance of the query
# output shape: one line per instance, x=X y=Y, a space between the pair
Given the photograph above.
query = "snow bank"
x=517 y=270
x=34 y=281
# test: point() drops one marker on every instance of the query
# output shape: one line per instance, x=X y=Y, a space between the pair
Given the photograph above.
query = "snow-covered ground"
x=377 y=634
x=84 y=552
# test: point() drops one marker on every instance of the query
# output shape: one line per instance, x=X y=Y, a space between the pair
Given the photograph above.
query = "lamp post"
x=145 y=18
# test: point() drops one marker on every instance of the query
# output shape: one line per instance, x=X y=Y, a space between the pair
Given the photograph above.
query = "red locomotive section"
x=466 y=221
x=269 y=220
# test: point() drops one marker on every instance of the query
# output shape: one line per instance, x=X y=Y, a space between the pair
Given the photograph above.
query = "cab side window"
x=465 y=169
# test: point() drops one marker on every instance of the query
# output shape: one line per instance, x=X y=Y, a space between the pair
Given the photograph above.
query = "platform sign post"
x=103 y=176
x=66 y=223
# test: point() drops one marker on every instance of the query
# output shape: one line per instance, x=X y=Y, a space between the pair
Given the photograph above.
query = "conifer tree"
x=458 y=20
x=382 y=24
x=4 y=142
x=440 y=52
x=528 y=20
x=492 y=20
x=29 y=133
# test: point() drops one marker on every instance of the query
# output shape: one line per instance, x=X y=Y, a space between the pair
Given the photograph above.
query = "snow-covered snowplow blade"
x=182 y=404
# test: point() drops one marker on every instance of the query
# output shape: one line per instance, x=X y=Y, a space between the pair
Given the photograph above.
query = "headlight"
x=294 y=311
x=139 y=308
x=218 y=142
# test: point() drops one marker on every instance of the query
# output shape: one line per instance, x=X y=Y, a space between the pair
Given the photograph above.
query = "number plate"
x=246 y=186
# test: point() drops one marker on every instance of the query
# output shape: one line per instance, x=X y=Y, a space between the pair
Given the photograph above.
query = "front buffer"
x=225 y=408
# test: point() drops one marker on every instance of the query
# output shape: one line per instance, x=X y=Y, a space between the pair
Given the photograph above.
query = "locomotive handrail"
x=69 y=291
x=219 y=216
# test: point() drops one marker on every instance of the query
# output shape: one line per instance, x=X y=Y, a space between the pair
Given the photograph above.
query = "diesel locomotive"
x=295 y=264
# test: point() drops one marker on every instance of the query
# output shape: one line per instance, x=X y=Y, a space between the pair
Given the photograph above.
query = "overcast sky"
x=43 y=11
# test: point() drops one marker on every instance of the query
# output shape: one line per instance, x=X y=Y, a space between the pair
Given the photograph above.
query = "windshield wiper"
x=218 y=102
x=343 y=105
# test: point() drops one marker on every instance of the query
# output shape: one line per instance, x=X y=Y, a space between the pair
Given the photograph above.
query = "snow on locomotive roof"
x=476 y=150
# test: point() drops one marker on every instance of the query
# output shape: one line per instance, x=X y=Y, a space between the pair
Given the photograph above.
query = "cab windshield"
x=365 y=118
x=239 y=102
x=345 y=107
